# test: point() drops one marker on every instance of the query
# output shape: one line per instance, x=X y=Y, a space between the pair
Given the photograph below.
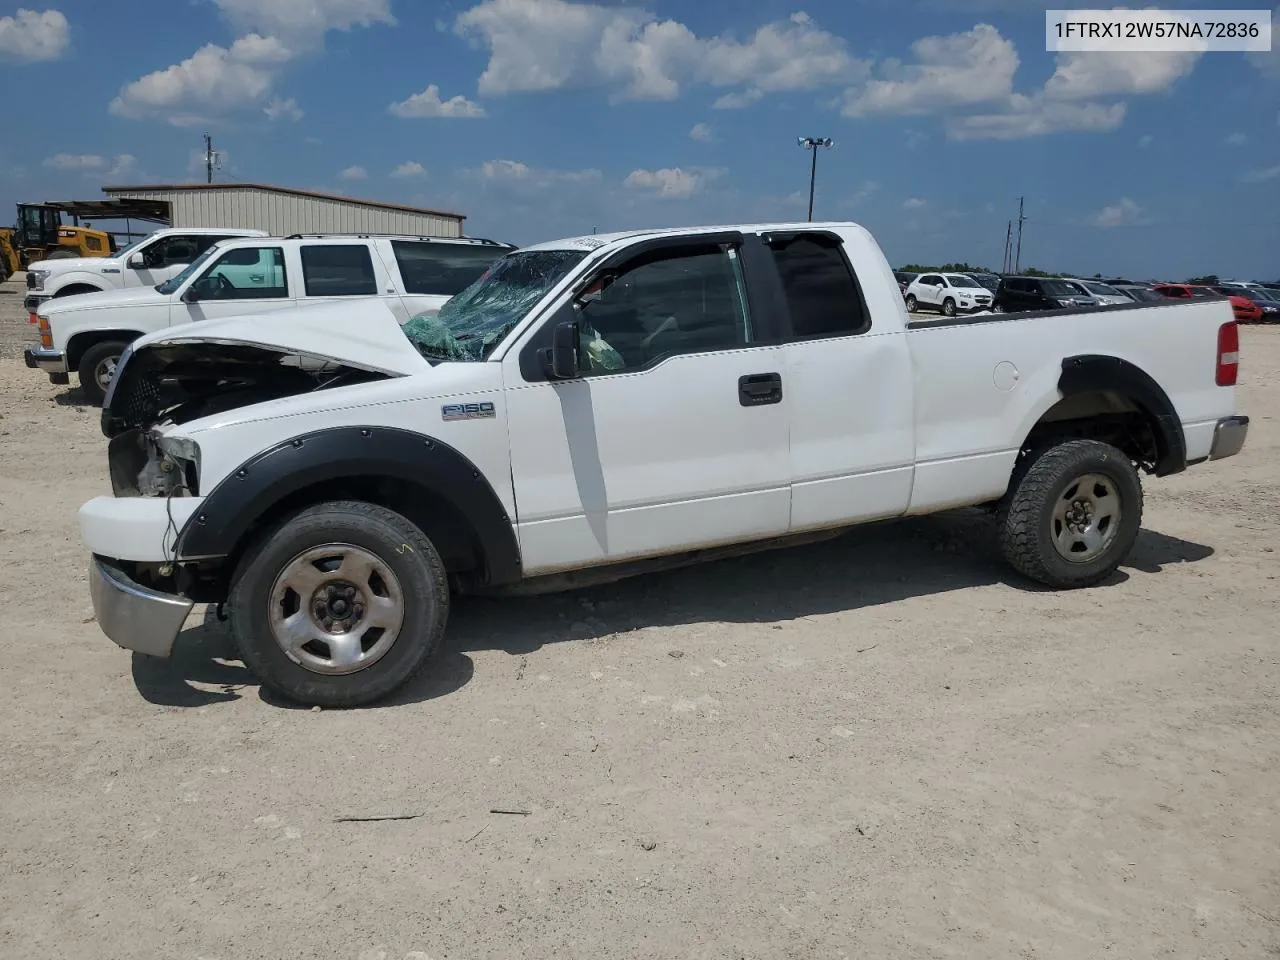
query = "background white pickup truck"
x=599 y=406
x=87 y=334
x=152 y=260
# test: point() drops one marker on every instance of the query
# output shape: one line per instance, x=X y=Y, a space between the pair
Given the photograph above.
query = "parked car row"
x=968 y=293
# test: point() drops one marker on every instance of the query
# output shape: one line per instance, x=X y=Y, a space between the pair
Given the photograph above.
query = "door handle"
x=756 y=389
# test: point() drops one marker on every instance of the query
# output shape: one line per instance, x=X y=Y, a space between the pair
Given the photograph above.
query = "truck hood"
x=101 y=300
x=69 y=264
x=199 y=369
x=363 y=334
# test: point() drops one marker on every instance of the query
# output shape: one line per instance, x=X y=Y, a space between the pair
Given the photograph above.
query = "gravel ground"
x=884 y=746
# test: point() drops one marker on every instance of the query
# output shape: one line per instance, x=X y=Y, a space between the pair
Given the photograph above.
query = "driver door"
x=931 y=290
x=243 y=280
x=161 y=260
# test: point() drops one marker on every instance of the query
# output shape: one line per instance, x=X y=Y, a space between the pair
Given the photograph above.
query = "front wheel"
x=949 y=307
x=911 y=303
x=97 y=367
x=339 y=605
x=1072 y=514
x=997 y=309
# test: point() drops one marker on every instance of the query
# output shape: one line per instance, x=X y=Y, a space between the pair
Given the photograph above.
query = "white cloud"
x=71 y=161
x=279 y=109
x=1268 y=62
x=1146 y=140
x=669 y=182
x=124 y=165
x=410 y=168
x=1086 y=76
x=515 y=173
x=538 y=45
x=738 y=101
x=1236 y=139
x=428 y=104
x=973 y=67
x=1261 y=176
x=200 y=86
x=866 y=190
x=1120 y=214
x=354 y=173
x=702 y=133
x=303 y=23
x=1035 y=117
x=914 y=203
x=216 y=80
x=31 y=36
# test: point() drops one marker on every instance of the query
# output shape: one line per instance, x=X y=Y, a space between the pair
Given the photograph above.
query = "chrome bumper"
x=1228 y=437
x=133 y=616
x=50 y=361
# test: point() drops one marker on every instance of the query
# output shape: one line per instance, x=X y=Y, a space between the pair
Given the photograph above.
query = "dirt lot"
x=885 y=746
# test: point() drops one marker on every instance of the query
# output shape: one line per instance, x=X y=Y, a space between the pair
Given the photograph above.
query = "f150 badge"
x=468 y=411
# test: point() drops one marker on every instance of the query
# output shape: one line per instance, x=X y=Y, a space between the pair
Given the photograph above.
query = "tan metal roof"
x=269 y=188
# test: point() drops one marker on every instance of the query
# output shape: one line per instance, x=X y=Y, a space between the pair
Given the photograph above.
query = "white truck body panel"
x=903 y=418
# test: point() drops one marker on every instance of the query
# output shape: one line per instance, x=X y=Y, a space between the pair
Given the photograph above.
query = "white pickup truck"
x=152 y=260
x=596 y=407
x=87 y=334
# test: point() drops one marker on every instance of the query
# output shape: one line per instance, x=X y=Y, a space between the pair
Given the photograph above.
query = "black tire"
x=1044 y=480
x=949 y=307
x=911 y=303
x=400 y=545
x=92 y=366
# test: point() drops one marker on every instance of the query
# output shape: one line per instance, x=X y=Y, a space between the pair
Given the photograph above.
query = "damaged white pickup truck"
x=596 y=407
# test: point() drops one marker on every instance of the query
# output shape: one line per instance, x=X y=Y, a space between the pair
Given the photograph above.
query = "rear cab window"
x=823 y=294
x=338 y=270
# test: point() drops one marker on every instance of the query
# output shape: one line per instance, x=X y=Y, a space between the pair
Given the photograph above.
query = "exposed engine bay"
x=177 y=383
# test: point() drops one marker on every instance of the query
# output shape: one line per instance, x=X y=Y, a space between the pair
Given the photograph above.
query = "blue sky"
x=546 y=118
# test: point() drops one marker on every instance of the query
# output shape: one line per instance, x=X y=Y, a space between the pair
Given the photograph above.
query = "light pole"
x=812 y=144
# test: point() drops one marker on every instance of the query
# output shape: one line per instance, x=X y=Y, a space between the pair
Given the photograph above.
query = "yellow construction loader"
x=40 y=234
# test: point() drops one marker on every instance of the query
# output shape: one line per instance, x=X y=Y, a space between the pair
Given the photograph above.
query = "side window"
x=1034 y=286
x=332 y=270
x=664 y=305
x=442 y=269
x=245 y=273
x=204 y=241
x=822 y=293
x=932 y=280
x=170 y=251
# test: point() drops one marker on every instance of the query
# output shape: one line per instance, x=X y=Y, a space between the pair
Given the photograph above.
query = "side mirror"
x=560 y=360
x=192 y=293
x=136 y=262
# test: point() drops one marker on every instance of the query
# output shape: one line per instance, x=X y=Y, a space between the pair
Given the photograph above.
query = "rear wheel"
x=949 y=307
x=911 y=303
x=340 y=604
x=997 y=308
x=97 y=367
x=1072 y=514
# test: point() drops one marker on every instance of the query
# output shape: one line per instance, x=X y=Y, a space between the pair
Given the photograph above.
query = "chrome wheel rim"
x=336 y=609
x=949 y=309
x=1086 y=518
x=105 y=370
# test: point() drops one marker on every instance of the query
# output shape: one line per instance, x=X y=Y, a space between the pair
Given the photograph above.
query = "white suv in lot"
x=411 y=275
x=948 y=293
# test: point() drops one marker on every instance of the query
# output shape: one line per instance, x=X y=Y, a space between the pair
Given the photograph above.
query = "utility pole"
x=208 y=158
x=812 y=144
x=1017 y=264
x=1008 y=242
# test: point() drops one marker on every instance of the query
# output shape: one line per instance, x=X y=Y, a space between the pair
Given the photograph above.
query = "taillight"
x=1228 y=354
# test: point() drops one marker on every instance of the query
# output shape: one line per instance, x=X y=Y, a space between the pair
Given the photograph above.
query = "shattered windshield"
x=472 y=323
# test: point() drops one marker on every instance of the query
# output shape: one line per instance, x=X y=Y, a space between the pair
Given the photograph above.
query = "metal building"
x=283 y=210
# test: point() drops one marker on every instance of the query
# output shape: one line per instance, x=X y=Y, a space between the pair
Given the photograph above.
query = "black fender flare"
x=1086 y=373
x=265 y=479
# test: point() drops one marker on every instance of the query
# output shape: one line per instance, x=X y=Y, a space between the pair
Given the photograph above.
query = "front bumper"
x=133 y=616
x=1228 y=437
x=43 y=358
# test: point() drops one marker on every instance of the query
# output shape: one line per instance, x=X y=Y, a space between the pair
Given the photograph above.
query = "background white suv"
x=948 y=293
